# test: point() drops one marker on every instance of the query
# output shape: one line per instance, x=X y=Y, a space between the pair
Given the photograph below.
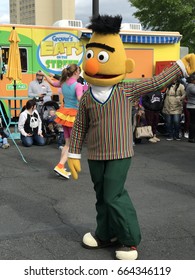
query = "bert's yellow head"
x=105 y=62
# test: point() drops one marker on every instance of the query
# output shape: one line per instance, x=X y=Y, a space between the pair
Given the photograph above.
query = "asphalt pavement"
x=43 y=216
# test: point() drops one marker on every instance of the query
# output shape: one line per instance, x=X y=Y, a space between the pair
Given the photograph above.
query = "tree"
x=168 y=15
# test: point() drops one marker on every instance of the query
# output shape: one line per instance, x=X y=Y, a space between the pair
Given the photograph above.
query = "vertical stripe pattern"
x=108 y=126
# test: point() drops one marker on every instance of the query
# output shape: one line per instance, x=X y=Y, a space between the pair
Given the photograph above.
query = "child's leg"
x=5 y=141
x=64 y=154
x=60 y=139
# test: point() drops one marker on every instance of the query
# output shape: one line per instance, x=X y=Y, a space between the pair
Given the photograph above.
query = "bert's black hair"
x=105 y=24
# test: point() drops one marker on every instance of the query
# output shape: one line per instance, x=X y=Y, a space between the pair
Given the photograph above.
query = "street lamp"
x=95 y=8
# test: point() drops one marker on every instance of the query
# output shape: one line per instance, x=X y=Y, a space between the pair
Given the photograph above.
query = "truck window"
x=23 y=57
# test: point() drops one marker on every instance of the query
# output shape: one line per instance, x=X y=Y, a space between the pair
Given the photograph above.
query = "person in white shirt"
x=39 y=88
x=30 y=125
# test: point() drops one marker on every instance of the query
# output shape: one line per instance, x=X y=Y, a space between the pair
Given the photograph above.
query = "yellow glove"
x=189 y=62
x=75 y=167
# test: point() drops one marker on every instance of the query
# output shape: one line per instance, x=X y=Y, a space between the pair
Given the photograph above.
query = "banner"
x=109 y=270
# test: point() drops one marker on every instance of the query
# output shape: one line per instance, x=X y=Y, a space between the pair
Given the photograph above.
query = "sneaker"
x=152 y=140
x=62 y=172
x=5 y=146
x=169 y=139
x=126 y=253
x=186 y=135
x=156 y=138
x=178 y=139
x=68 y=173
x=60 y=147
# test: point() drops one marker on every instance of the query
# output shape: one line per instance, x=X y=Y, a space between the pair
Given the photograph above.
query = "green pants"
x=116 y=216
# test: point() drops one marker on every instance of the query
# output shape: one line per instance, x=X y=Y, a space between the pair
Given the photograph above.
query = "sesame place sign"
x=58 y=50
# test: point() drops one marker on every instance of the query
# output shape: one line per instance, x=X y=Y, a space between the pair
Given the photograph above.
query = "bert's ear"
x=130 y=65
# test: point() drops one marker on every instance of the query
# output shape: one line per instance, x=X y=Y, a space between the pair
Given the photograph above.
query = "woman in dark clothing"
x=190 y=91
x=152 y=103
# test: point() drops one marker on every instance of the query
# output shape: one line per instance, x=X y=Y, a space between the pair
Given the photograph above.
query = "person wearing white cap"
x=39 y=88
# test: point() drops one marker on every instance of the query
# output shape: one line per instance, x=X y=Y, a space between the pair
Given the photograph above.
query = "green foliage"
x=168 y=15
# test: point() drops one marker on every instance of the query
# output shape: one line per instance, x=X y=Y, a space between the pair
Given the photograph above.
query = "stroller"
x=51 y=130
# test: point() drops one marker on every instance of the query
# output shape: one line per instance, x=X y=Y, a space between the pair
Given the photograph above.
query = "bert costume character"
x=105 y=116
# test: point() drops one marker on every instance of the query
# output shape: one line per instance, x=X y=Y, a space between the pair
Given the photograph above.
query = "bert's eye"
x=89 y=54
x=103 y=57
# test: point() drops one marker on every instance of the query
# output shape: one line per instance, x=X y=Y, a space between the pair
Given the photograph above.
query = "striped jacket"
x=108 y=125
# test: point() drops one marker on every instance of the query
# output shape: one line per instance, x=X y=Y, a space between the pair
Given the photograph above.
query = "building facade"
x=41 y=12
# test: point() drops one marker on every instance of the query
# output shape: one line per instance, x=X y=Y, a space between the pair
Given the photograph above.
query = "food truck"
x=50 y=49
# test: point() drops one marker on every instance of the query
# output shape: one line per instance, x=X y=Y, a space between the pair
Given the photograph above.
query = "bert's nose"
x=91 y=66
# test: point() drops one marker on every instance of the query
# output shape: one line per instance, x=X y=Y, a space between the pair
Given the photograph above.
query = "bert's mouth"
x=101 y=76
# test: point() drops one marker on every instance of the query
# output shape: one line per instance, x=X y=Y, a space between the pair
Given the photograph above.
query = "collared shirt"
x=35 y=89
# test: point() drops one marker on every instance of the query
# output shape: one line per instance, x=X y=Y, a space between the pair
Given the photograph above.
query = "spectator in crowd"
x=190 y=91
x=138 y=118
x=186 y=118
x=39 y=88
x=30 y=125
x=186 y=115
x=152 y=103
x=173 y=108
x=3 y=139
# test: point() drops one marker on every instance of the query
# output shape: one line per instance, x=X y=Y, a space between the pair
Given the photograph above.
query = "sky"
x=84 y=10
